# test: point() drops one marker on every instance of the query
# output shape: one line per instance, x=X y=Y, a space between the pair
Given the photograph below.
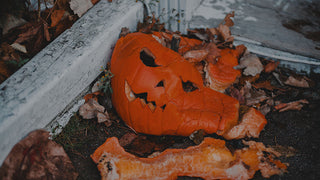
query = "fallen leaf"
x=228 y=21
x=297 y=82
x=271 y=66
x=213 y=53
x=197 y=136
x=37 y=157
x=7 y=53
x=264 y=109
x=127 y=139
x=295 y=105
x=19 y=47
x=277 y=76
x=235 y=93
x=93 y=95
x=141 y=146
x=251 y=64
x=265 y=85
x=287 y=151
x=124 y=31
x=31 y=32
x=80 y=7
x=199 y=33
x=90 y=109
x=195 y=55
x=96 y=1
x=104 y=118
x=56 y=17
x=251 y=95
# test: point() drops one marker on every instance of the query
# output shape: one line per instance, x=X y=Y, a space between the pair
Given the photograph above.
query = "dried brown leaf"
x=271 y=66
x=297 y=82
x=235 y=93
x=214 y=53
x=251 y=95
x=197 y=136
x=127 y=139
x=56 y=17
x=141 y=146
x=265 y=85
x=199 y=33
x=228 y=21
x=196 y=55
x=37 y=157
x=251 y=64
x=96 y=1
x=295 y=105
x=90 y=109
x=30 y=33
x=104 y=118
x=80 y=7
x=124 y=31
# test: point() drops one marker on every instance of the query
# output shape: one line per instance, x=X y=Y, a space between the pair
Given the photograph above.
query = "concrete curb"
x=41 y=89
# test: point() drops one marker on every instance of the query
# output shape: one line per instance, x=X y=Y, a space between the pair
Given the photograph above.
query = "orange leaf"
x=56 y=16
x=271 y=66
x=95 y=1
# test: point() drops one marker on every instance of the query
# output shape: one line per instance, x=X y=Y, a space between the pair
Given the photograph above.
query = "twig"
x=39 y=10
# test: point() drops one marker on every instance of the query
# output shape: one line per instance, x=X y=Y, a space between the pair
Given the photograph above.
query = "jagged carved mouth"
x=142 y=96
x=131 y=95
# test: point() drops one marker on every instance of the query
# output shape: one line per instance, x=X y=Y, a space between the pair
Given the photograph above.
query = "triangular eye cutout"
x=148 y=58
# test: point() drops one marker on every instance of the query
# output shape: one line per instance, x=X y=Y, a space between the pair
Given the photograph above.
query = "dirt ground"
x=294 y=133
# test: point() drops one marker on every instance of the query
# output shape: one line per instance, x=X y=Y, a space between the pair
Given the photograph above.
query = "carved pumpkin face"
x=156 y=91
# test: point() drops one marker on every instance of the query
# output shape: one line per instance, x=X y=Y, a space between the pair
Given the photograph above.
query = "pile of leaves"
x=25 y=30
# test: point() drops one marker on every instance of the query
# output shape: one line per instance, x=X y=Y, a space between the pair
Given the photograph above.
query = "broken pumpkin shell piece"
x=209 y=160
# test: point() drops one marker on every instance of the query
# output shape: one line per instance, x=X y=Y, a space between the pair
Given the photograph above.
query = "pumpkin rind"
x=165 y=109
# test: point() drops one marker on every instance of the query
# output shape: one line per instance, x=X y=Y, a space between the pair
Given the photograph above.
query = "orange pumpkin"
x=156 y=91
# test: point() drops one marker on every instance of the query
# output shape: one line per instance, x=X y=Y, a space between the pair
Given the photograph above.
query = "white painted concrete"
x=40 y=90
x=176 y=14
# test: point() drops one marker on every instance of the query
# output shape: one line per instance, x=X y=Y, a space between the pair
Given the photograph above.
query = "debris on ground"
x=27 y=30
x=37 y=157
x=295 y=105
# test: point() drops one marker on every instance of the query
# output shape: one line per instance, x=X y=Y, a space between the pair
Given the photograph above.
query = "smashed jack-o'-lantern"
x=156 y=91
x=209 y=160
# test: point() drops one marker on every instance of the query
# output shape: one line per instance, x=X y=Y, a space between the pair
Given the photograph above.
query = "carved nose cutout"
x=148 y=58
x=160 y=84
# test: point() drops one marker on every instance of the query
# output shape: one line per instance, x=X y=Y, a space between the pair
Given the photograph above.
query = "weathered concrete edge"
x=296 y=62
x=41 y=89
